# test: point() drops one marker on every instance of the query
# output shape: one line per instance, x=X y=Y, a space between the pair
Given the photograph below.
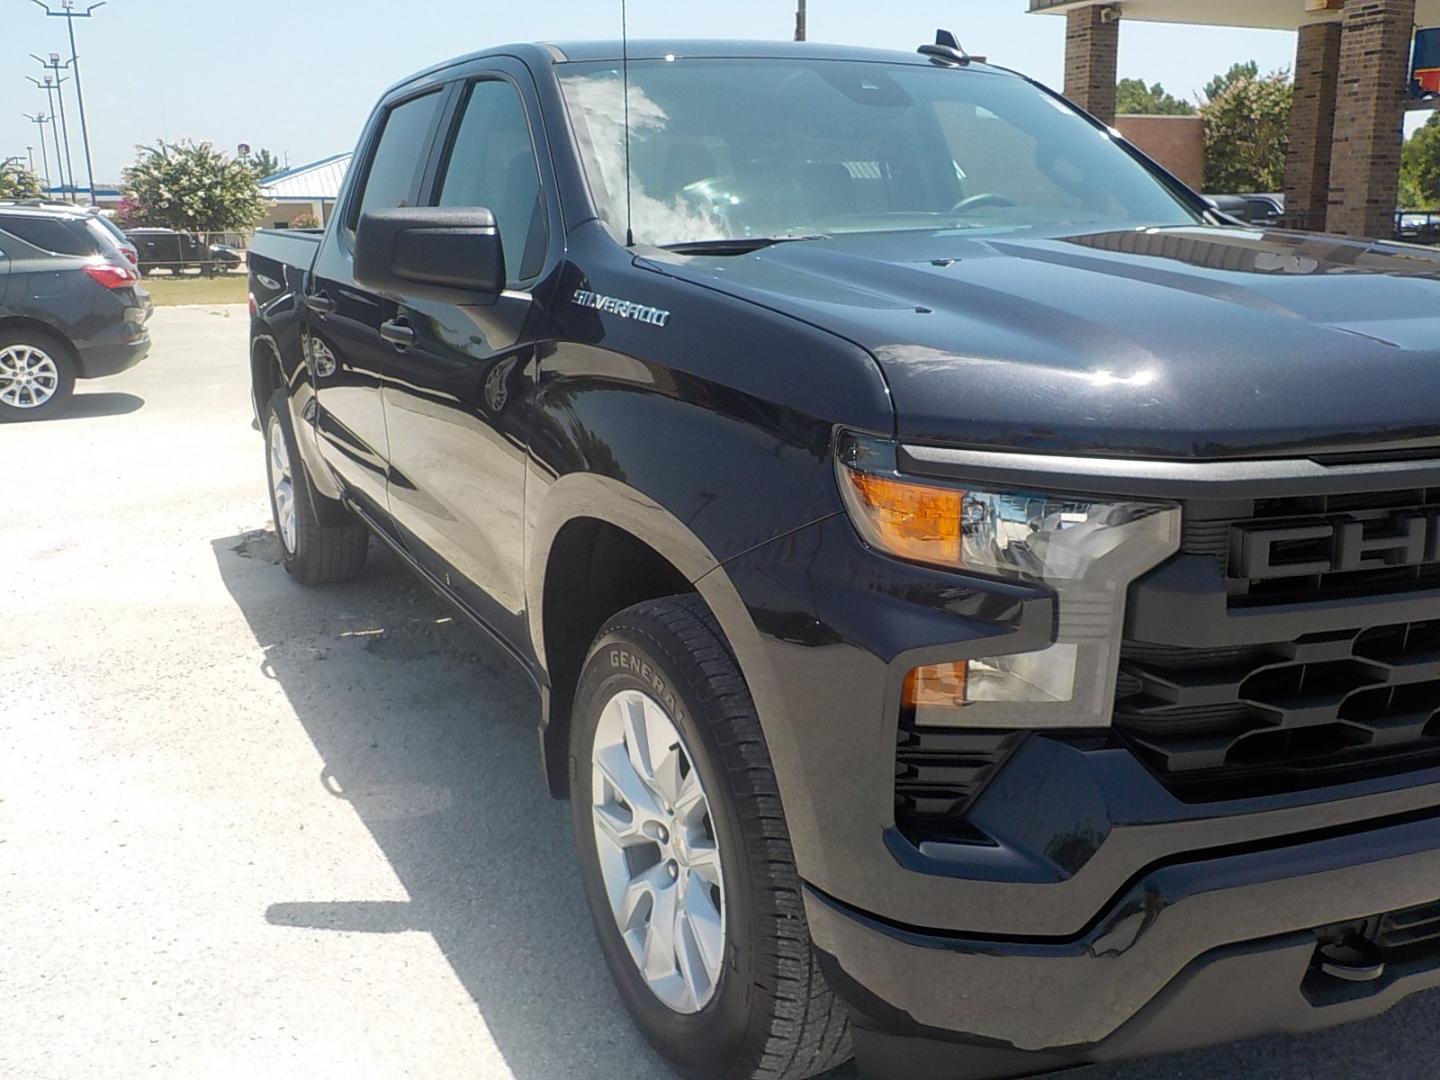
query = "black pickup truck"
x=985 y=607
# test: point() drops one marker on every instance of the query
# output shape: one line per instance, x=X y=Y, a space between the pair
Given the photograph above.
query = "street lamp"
x=51 y=86
x=40 y=122
x=69 y=14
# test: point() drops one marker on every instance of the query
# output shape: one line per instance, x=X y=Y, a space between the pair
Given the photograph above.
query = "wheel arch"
x=266 y=373
x=610 y=546
x=24 y=322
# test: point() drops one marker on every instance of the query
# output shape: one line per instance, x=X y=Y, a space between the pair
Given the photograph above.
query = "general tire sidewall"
x=718 y=1032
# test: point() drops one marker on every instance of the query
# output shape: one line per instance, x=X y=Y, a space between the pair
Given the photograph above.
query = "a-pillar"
x=1370 y=116
x=1092 y=59
x=1312 y=126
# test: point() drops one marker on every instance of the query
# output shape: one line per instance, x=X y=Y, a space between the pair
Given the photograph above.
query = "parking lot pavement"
x=248 y=829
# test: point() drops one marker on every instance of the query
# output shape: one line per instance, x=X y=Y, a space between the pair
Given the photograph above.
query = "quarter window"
x=51 y=234
x=492 y=164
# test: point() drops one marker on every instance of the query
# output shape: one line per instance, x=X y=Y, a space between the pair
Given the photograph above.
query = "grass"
x=168 y=290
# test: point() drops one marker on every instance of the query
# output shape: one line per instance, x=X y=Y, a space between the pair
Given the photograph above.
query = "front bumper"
x=1097 y=913
x=1190 y=953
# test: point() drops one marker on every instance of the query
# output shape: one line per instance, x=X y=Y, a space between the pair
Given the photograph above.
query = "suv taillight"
x=112 y=276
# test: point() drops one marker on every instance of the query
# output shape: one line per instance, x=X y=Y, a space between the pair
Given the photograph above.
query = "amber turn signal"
x=913 y=521
x=939 y=686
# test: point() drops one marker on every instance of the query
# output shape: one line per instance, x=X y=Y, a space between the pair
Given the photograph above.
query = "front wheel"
x=686 y=858
x=314 y=553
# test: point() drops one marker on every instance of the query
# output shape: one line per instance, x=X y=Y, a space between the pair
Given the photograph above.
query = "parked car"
x=1418 y=226
x=984 y=608
x=170 y=249
x=226 y=257
x=122 y=243
x=1268 y=210
x=70 y=308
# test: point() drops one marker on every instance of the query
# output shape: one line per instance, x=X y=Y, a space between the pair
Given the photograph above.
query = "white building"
x=304 y=191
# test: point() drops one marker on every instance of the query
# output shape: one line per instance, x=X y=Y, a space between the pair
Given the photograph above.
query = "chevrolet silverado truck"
x=984 y=604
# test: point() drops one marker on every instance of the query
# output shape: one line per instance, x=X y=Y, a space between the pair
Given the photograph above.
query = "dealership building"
x=1352 y=74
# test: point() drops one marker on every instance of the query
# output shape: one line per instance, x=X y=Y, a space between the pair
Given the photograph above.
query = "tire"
x=37 y=374
x=314 y=553
x=769 y=1014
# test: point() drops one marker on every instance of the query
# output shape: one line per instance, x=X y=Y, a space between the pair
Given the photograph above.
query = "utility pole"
x=800 y=20
x=30 y=153
x=40 y=122
x=51 y=86
x=69 y=14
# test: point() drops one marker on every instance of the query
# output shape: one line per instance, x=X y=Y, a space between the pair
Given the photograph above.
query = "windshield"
x=733 y=148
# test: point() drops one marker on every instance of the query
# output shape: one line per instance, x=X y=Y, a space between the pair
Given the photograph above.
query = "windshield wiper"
x=736 y=245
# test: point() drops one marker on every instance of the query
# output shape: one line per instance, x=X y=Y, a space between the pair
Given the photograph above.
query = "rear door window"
x=60 y=236
x=394 y=169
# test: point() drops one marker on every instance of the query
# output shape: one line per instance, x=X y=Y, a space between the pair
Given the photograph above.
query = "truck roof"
x=569 y=52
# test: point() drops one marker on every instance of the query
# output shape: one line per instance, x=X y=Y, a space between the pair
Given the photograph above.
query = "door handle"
x=320 y=303
x=398 y=332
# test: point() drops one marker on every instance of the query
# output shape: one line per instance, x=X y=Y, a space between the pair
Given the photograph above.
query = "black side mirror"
x=432 y=252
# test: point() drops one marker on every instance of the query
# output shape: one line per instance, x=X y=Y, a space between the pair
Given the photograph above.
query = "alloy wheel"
x=659 y=859
x=28 y=377
x=282 y=486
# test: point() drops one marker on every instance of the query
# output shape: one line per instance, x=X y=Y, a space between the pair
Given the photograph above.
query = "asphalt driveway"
x=249 y=829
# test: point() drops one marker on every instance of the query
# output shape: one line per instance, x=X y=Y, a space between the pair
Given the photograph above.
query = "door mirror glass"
x=431 y=252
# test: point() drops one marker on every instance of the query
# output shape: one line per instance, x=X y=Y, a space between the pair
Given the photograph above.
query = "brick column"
x=1370 y=116
x=1092 y=59
x=1312 y=126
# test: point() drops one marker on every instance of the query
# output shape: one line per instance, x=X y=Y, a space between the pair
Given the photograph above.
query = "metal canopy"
x=1258 y=14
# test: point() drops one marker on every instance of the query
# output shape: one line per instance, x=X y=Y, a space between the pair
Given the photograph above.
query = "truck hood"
x=1195 y=342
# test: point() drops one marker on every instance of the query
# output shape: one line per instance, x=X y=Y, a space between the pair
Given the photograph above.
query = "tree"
x=264 y=163
x=193 y=187
x=1247 y=130
x=18 y=182
x=1133 y=97
x=1420 y=168
x=1246 y=72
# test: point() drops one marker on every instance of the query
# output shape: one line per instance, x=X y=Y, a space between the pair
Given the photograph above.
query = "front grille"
x=1231 y=717
x=938 y=773
x=1385 y=560
x=1283 y=715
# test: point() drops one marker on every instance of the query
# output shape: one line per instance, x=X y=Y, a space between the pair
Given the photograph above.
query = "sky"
x=300 y=76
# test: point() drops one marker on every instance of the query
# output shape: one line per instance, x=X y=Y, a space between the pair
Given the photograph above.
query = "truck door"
x=343 y=320
x=457 y=377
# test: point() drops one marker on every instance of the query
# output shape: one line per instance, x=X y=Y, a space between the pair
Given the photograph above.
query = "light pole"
x=800 y=20
x=30 y=153
x=69 y=14
x=51 y=86
x=40 y=122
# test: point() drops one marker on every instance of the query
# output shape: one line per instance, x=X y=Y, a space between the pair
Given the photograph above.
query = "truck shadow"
x=428 y=732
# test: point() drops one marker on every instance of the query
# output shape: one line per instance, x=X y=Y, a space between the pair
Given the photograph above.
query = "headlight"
x=1085 y=549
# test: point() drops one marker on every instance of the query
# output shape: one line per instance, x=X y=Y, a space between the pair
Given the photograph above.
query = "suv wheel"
x=314 y=553
x=685 y=856
x=37 y=375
